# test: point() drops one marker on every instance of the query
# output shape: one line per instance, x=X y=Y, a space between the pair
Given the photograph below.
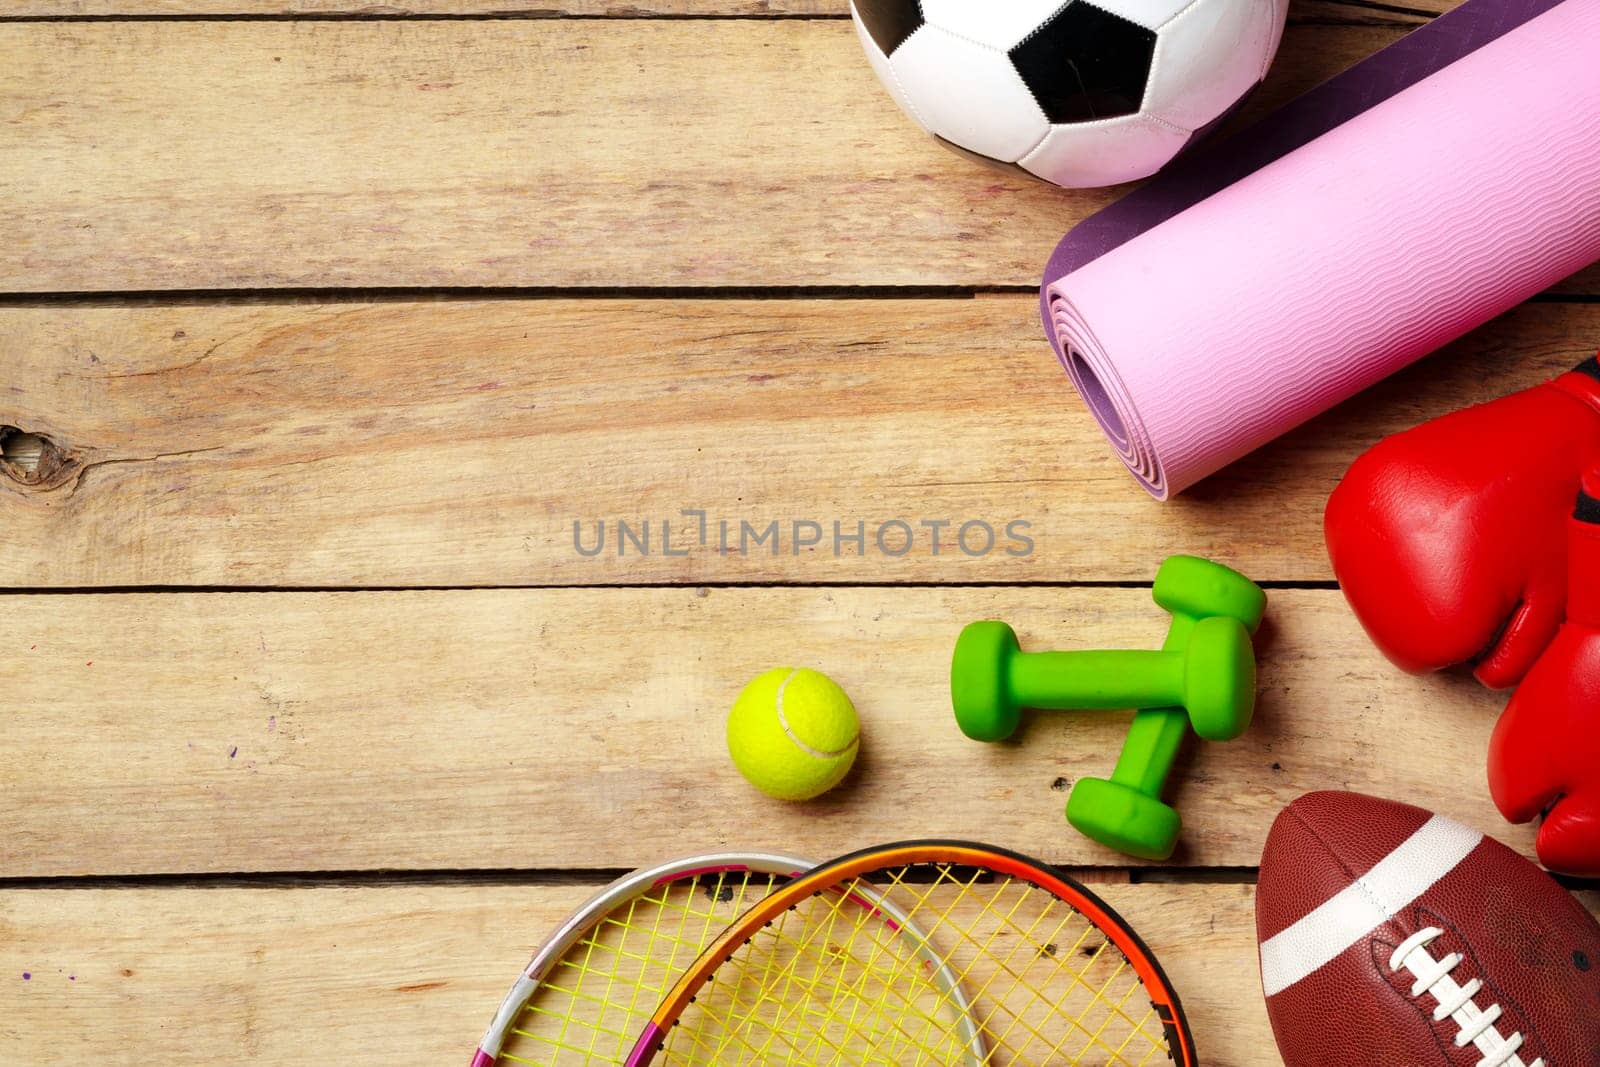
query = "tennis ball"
x=793 y=733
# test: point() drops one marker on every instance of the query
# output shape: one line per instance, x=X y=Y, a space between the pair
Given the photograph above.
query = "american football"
x=1080 y=94
x=1393 y=936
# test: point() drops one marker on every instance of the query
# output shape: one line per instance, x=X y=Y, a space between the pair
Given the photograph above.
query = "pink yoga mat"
x=1416 y=220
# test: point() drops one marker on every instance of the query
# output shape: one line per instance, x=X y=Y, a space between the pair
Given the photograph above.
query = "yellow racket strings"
x=595 y=999
x=837 y=981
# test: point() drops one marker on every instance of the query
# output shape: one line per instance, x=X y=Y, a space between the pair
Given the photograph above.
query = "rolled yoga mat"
x=1404 y=203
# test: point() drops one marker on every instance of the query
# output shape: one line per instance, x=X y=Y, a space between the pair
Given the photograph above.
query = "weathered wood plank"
x=526 y=8
x=617 y=153
x=158 y=733
x=1326 y=9
x=409 y=976
x=413 y=443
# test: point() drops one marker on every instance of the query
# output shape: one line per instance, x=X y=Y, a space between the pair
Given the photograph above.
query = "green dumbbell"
x=1211 y=672
x=1126 y=812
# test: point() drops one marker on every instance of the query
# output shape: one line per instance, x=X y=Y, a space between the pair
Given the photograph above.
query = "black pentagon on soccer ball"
x=1086 y=63
x=890 y=22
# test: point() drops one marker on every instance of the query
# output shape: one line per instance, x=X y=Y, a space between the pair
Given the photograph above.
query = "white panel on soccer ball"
x=1085 y=155
x=968 y=94
x=886 y=75
x=1151 y=14
x=997 y=23
x=1208 y=57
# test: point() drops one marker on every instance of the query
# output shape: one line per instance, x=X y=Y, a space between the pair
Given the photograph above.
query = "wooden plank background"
x=456 y=443
x=466 y=153
x=527 y=728
x=323 y=322
x=398 y=973
x=1413 y=11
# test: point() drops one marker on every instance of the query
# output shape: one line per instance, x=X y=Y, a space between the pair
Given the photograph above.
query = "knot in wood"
x=35 y=461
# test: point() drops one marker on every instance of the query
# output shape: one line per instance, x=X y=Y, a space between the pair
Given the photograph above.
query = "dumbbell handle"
x=1098 y=680
x=1127 y=812
x=1156 y=734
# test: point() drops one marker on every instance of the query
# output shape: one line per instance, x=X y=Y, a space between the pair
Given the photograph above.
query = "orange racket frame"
x=828 y=877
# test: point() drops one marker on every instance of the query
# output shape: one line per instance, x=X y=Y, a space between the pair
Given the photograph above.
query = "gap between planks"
x=541 y=877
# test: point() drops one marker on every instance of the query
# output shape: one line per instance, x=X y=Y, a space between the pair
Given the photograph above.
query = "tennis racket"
x=591 y=986
x=817 y=975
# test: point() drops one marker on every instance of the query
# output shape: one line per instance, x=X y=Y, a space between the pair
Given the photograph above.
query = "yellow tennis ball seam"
x=783 y=721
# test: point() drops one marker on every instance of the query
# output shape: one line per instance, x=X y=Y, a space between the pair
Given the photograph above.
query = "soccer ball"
x=1078 y=93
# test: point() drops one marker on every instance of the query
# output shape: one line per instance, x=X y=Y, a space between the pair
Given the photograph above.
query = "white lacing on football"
x=1456 y=1002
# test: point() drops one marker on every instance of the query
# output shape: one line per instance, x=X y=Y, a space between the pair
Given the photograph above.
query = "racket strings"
x=780 y=1013
x=783 y=1008
x=1028 y=945
x=1075 y=982
x=897 y=1007
x=957 y=968
x=590 y=1005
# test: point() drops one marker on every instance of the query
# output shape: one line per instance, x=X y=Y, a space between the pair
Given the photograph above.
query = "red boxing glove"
x=1545 y=754
x=1449 y=539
